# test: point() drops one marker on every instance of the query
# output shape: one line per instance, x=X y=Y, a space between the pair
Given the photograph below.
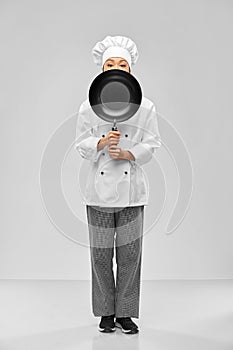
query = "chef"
x=116 y=193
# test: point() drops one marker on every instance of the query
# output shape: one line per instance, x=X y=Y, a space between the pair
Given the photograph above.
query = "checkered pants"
x=122 y=298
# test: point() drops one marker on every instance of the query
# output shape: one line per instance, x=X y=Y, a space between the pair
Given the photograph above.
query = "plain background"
x=185 y=67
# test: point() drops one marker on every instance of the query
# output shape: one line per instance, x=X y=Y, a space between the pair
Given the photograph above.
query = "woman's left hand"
x=116 y=152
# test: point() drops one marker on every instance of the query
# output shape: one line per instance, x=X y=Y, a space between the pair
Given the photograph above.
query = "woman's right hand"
x=113 y=137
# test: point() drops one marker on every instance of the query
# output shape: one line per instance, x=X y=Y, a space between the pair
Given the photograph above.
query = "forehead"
x=116 y=59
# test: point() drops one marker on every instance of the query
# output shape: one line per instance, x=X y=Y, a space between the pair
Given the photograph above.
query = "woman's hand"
x=116 y=152
x=111 y=140
x=113 y=137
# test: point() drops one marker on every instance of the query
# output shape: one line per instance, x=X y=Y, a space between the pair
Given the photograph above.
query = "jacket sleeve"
x=150 y=141
x=86 y=142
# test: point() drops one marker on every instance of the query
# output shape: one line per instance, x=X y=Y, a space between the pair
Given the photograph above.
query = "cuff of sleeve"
x=88 y=148
x=142 y=153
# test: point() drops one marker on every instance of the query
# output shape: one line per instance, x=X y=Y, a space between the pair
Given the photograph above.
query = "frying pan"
x=115 y=96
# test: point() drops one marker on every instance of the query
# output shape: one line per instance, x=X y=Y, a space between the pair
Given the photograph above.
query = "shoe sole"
x=129 y=331
x=106 y=330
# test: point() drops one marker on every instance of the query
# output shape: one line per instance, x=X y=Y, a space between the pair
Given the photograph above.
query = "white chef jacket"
x=112 y=182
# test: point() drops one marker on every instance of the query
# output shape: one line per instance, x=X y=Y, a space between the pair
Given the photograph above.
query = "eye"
x=109 y=65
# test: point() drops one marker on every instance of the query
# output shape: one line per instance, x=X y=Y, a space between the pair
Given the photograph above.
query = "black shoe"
x=107 y=324
x=126 y=325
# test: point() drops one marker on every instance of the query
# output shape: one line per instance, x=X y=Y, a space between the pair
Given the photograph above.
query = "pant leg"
x=129 y=237
x=101 y=225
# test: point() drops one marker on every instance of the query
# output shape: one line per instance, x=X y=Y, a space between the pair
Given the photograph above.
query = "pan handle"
x=114 y=128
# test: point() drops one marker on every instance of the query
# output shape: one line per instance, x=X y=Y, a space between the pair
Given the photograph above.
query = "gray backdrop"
x=185 y=68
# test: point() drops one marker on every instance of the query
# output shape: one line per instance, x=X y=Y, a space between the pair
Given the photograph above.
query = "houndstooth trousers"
x=124 y=227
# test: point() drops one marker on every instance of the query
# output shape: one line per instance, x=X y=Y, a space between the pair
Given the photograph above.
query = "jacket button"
x=103 y=135
x=126 y=172
x=102 y=172
x=103 y=154
x=126 y=135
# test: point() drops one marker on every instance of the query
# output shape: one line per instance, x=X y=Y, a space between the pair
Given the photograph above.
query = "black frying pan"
x=115 y=96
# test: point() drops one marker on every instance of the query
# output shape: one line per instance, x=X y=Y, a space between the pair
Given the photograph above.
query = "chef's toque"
x=115 y=46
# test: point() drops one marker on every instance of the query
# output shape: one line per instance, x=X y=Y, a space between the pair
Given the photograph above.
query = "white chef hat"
x=115 y=46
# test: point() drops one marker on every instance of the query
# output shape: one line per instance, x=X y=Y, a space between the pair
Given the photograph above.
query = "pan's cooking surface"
x=115 y=94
